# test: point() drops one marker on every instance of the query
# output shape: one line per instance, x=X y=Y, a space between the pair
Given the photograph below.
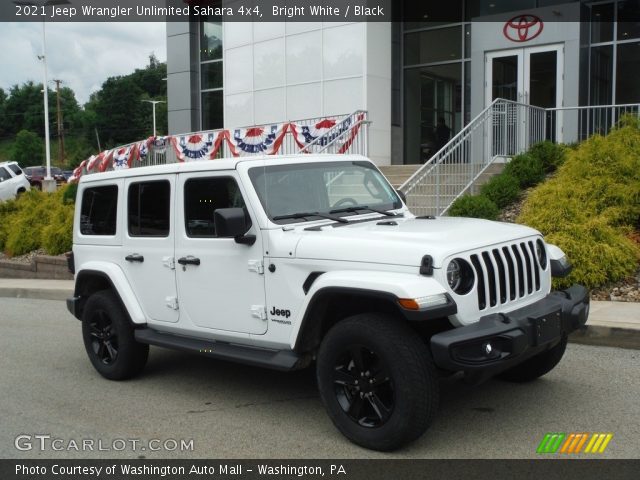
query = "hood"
x=406 y=242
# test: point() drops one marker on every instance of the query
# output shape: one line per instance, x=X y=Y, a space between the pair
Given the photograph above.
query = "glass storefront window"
x=210 y=40
x=601 y=91
x=433 y=13
x=439 y=45
x=433 y=109
x=476 y=8
x=628 y=66
x=211 y=75
x=602 y=23
x=212 y=110
x=628 y=16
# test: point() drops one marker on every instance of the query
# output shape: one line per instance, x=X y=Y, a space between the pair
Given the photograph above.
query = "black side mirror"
x=231 y=223
x=402 y=196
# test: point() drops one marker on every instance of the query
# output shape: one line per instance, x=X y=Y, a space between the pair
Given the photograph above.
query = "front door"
x=531 y=76
x=220 y=284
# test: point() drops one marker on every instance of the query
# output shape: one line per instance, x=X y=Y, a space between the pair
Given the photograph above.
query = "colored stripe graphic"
x=573 y=443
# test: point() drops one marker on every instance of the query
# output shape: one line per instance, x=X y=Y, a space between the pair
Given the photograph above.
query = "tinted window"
x=15 y=168
x=149 y=204
x=4 y=175
x=99 y=210
x=202 y=196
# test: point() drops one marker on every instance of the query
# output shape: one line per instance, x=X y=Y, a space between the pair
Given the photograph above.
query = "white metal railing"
x=338 y=134
x=575 y=124
x=501 y=130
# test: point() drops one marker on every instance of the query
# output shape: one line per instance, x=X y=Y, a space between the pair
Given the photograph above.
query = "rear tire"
x=377 y=381
x=109 y=340
x=537 y=366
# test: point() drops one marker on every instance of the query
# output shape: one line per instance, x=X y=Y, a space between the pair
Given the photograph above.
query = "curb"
x=605 y=336
x=592 y=334
x=36 y=293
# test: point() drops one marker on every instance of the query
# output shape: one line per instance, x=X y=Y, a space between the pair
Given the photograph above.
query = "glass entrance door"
x=532 y=76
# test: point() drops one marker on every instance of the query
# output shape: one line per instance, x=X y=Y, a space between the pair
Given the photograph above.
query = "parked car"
x=307 y=258
x=36 y=176
x=12 y=181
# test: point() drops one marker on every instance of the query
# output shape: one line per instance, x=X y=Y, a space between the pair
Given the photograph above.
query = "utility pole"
x=60 y=125
x=154 y=103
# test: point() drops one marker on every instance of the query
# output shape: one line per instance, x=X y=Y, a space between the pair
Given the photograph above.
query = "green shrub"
x=591 y=206
x=475 y=206
x=502 y=190
x=36 y=220
x=550 y=154
x=526 y=168
x=70 y=193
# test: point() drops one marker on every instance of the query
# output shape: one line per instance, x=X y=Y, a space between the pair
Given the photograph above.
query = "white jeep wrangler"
x=278 y=262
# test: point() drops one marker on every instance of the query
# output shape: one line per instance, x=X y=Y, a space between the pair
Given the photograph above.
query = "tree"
x=28 y=149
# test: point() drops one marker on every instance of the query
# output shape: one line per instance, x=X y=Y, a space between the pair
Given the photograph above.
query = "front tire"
x=377 y=381
x=537 y=366
x=109 y=340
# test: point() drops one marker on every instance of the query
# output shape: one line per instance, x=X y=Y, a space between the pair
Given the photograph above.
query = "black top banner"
x=423 y=12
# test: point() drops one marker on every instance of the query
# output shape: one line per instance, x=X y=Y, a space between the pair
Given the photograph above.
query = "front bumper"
x=500 y=341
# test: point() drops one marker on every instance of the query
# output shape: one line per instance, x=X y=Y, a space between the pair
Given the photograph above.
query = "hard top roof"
x=214 y=165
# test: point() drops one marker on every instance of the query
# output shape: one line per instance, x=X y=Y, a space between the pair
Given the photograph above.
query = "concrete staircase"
x=453 y=178
x=398 y=174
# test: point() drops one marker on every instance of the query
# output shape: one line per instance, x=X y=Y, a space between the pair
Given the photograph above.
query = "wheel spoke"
x=343 y=377
x=94 y=331
x=356 y=407
x=380 y=377
x=381 y=410
x=101 y=350
x=358 y=360
x=111 y=350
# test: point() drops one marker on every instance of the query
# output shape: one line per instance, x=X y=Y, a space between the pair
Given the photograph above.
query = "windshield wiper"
x=363 y=207
x=311 y=214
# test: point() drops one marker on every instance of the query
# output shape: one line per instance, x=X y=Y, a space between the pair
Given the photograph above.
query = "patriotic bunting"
x=261 y=140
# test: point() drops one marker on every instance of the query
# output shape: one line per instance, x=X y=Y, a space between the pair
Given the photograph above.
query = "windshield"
x=322 y=190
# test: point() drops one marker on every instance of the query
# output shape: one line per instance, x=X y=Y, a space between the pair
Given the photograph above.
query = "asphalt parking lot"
x=48 y=387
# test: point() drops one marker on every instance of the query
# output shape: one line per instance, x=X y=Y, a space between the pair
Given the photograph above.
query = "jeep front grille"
x=506 y=274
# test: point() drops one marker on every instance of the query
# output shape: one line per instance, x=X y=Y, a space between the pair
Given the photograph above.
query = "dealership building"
x=419 y=81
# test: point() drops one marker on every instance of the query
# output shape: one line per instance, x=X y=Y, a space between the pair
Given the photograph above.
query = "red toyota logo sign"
x=523 y=28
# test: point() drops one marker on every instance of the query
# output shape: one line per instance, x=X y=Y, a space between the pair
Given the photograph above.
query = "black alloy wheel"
x=104 y=339
x=109 y=340
x=363 y=387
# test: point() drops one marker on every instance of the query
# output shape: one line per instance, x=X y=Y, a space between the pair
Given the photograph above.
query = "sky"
x=82 y=55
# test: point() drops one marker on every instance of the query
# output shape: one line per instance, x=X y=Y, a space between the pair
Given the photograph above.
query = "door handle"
x=134 y=257
x=189 y=260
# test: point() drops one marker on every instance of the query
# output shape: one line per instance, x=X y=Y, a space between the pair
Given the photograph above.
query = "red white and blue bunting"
x=261 y=140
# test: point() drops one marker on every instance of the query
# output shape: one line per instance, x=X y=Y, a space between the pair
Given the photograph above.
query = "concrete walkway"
x=615 y=324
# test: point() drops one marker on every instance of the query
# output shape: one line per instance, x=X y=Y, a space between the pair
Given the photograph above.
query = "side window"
x=4 y=174
x=203 y=196
x=15 y=168
x=99 y=210
x=149 y=207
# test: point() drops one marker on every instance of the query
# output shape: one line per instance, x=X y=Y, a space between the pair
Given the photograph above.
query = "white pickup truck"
x=282 y=262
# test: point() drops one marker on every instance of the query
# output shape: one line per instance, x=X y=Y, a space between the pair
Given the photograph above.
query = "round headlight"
x=454 y=276
x=541 y=253
x=460 y=276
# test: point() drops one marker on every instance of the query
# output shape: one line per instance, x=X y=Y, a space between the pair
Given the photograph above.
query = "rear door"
x=148 y=245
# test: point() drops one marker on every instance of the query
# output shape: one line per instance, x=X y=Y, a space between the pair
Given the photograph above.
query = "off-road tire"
x=106 y=329
x=536 y=366
x=413 y=381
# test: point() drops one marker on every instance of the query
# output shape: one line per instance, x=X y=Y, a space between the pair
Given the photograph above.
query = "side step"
x=274 y=359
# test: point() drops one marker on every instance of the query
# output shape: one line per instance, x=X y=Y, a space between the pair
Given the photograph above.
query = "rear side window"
x=99 y=210
x=149 y=207
x=15 y=168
